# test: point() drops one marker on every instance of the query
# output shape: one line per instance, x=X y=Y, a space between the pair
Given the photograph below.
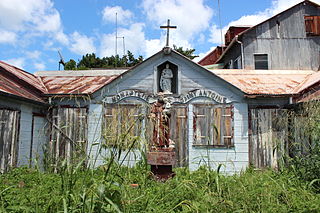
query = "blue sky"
x=31 y=31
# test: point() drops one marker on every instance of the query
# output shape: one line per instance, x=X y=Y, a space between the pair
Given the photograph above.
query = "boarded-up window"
x=122 y=124
x=9 y=131
x=261 y=61
x=213 y=125
x=312 y=24
x=69 y=132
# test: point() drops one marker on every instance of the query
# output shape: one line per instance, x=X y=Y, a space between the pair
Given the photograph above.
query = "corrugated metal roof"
x=12 y=87
x=24 y=76
x=265 y=82
x=75 y=84
x=308 y=82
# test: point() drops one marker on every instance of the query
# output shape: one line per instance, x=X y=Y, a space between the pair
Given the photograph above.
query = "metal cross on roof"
x=168 y=27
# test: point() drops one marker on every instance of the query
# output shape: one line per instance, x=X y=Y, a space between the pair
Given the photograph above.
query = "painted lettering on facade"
x=202 y=93
x=127 y=94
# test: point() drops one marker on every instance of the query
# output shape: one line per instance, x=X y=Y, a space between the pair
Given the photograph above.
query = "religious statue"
x=160 y=120
x=166 y=80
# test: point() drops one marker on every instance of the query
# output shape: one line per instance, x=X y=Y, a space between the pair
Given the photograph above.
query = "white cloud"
x=81 y=44
x=33 y=54
x=18 y=62
x=31 y=18
x=134 y=41
x=21 y=15
x=7 y=36
x=191 y=17
x=153 y=46
x=39 y=66
x=123 y=16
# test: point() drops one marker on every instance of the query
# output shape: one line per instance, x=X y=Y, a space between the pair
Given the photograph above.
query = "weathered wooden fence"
x=69 y=133
x=268 y=138
x=9 y=132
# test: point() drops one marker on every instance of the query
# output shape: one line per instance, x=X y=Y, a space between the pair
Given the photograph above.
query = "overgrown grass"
x=134 y=190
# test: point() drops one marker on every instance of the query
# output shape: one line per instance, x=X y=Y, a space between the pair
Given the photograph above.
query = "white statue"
x=166 y=79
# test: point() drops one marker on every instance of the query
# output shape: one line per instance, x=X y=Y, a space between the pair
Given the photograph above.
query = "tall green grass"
x=134 y=190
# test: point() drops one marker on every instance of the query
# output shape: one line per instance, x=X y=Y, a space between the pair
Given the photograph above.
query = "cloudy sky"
x=31 y=31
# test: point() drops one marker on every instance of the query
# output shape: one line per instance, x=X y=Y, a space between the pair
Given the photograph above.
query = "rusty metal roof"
x=16 y=82
x=75 y=84
x=80 y=82
x=265 y=82
x=23 y=75
x=309 y=81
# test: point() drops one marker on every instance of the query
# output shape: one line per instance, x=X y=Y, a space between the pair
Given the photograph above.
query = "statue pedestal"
x=162 y=160
x=163 y=156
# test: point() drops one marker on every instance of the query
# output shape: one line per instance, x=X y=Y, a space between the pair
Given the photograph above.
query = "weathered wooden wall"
x=9 y=131
x=40 y=139
x=233 y=159
x=268 y=138
x=25 y=133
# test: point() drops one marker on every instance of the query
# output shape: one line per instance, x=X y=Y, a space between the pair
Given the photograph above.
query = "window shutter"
x=312 y=24
x=201 y=125
x=217 y=126
x=121 y=123
x=227 y=126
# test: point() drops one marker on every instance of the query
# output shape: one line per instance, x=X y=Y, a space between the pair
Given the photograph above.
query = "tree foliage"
x=187 y=52
x=89 y=61
x=70 y=65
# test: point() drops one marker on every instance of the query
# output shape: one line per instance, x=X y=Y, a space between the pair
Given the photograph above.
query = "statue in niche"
x=166 y=80
x=160 y=115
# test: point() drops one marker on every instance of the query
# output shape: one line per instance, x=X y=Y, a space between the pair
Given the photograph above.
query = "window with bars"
x=213 y=125
x=312 y=24
x=261 y=61
x=122 y=124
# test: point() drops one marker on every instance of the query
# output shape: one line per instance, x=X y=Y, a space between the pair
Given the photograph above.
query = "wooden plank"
x=179 y=134
x=217 y=125
x=9 y=130
x=268 y=137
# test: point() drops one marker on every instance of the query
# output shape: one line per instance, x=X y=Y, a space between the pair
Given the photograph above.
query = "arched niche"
x=174 y=80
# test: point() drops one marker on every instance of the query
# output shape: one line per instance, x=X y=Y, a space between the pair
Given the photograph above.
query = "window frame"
x=121 y=127
x=255 y=60
x=212 y=139
x=312 y=25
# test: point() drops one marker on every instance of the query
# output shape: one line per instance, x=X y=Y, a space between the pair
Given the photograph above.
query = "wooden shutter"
x=202 y=124
x=227 y=117
x=213 y=125
x=122 y=123
x=312 y=24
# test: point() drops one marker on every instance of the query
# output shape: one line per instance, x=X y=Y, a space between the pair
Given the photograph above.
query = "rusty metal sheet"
x=268 y=82
x=20 y=74
x=212 y=57
x=10 y=85
x=309 y=81
x=75 y=84
x=161 y=158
